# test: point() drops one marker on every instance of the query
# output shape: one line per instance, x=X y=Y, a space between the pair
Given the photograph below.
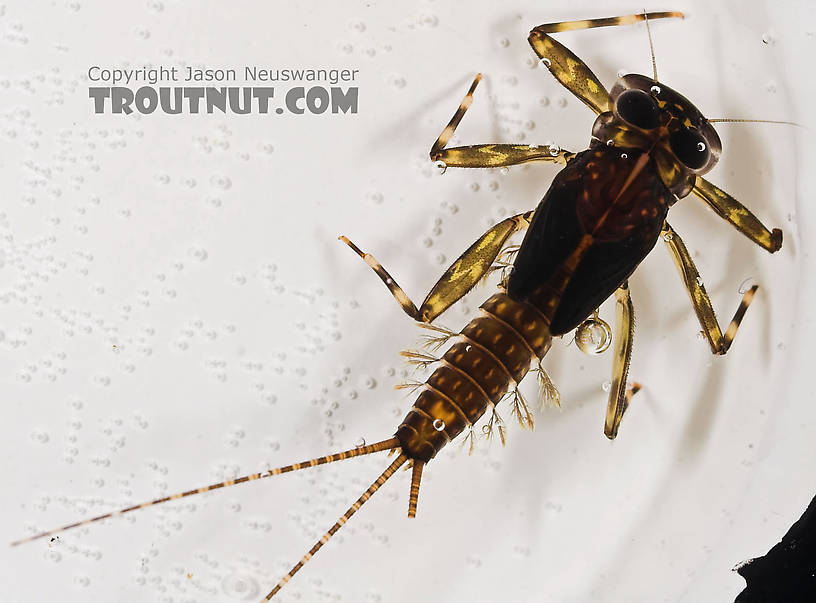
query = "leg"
x=699 y=298
x=738 y=215
x=489 y=155
x=619 y=394
x=571 y=71
x=462 y=275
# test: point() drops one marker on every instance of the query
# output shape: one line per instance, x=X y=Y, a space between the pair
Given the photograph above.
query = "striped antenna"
x=392 y=468
x=388 y=444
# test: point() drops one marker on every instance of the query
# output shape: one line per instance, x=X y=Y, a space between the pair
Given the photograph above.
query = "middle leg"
x=620 y=394
x=718 y=341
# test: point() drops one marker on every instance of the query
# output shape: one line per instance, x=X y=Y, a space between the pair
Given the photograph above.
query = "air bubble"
x=655 y=90
x=746 y=285
x=504 y=170
x=240 y=586
x=701 y=146
x=593 y=336
x=428 y=20
x=221 y=181
x=197 y=253
x=439 y=424
x=546 y=62
x=667 y=236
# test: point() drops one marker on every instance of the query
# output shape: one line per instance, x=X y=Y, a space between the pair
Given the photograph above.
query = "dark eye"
x=639 y=109
x=690 y=147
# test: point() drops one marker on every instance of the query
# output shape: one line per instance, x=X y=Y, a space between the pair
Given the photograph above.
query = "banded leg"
x=699 y=298
x=459 y=278
x=571 y=71
x=739 y=216
x=489 y=155
x=619 y=393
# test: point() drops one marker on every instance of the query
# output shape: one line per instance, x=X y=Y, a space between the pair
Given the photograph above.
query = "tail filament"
x=388 y=444
x=416 y=475
x=392 y=468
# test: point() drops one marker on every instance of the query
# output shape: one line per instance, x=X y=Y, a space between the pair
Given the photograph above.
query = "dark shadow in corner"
x=788 y=571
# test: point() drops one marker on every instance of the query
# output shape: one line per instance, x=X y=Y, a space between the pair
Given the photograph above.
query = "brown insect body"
x=495 y=352
x=603 y=213
x=601 y=216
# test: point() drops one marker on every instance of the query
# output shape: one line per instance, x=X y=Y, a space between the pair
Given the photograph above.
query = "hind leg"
x=459 y=278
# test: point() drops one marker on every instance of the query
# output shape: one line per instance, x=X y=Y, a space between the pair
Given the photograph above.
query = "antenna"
x=651 y=44
x=755 y=121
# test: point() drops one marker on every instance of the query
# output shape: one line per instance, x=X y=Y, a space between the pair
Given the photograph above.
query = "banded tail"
x=388 y=444
x=392 y=468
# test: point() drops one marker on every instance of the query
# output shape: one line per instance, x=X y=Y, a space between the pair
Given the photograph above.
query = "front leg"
x=739 y=216
x=571 y=71
x=489 y=155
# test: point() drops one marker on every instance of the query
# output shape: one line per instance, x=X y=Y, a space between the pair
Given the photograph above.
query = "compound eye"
x=690 y=148
x=638 y=109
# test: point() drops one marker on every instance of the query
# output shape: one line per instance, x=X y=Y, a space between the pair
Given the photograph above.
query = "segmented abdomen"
x=493 y=352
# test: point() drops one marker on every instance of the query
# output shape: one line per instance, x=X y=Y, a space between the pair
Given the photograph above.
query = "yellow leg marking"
x=699 y=297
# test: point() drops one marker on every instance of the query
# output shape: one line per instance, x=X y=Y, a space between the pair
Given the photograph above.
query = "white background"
x=175 y=309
